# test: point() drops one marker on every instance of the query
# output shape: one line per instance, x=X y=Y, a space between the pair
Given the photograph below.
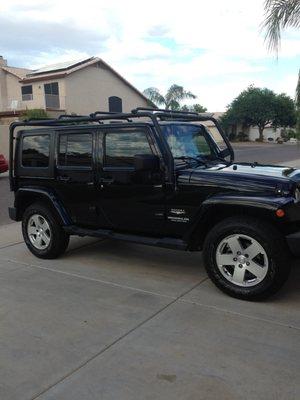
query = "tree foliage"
x=194 y=108
x=297 y=104
x=280 y=14
x=171 y=100
x=260 y=107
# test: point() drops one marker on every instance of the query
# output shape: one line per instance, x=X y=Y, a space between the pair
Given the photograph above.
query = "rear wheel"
x=42 y=232
x=246 y=258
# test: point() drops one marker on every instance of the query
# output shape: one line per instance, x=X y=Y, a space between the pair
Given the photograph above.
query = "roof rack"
x=154 y=115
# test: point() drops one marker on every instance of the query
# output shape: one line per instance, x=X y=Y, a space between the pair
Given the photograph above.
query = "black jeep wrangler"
x=160 y=178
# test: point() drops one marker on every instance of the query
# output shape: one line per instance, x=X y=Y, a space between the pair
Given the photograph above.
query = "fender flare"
x=46 y=194
x=264 y=207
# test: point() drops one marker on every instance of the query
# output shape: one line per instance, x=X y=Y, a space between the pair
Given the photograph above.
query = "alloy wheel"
x=39 y=231
x=242 y=260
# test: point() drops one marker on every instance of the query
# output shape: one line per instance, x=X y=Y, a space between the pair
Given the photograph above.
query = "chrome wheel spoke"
x=46 y=239
x=225 y=259
x=256 y=270
x=35 y=220
x=31 y=230
x=254 y=250
x=234 y=244
x=238 y=275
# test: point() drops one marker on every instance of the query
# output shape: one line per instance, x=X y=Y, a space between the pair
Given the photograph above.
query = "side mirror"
x=146 y=162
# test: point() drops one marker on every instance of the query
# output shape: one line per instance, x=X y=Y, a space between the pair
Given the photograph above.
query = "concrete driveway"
x=112 y=320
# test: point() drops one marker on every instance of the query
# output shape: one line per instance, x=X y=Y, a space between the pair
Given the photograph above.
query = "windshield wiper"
x=221 y=159
x=189 y=158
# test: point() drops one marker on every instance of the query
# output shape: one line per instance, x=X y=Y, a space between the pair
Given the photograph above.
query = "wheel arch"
x=212 y=214
x=27 y=196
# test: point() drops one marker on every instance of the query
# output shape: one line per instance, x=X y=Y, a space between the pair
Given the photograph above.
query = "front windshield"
x=189 y=141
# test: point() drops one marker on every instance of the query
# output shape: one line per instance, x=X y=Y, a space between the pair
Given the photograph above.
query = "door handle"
x=64 y=178
x=106 y=181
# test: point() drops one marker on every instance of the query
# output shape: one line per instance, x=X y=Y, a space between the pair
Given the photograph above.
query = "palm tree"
x=280 y=14
x=171 y=99
x=297 y=103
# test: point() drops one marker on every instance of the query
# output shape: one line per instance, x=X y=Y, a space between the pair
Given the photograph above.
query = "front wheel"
x=246 y=258
x=42 y=233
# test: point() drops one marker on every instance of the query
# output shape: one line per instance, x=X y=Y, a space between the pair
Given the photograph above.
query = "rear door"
x=75 y=175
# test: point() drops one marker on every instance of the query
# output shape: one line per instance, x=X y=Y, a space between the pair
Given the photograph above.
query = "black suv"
x=160 y=178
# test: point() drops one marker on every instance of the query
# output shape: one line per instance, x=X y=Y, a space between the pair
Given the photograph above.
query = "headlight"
x=297 y=195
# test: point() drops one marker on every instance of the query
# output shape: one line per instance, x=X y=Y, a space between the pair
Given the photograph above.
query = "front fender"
x=218 y=207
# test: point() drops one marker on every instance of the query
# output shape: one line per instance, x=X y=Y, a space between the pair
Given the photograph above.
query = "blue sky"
x=213 y=48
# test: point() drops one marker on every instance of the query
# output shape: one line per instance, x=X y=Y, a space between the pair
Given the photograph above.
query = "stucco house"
x=79 y=87
x=252 y=133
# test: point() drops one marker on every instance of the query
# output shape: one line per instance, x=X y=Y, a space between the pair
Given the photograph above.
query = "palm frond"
x=154 y=95
x=178 y=93
x=279 y=14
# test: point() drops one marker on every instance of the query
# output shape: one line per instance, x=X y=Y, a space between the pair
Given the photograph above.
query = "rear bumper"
x=12 y=212
x=293 y=241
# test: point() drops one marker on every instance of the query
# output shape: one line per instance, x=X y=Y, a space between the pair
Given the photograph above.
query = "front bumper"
x=293 y=241
x=12 y=212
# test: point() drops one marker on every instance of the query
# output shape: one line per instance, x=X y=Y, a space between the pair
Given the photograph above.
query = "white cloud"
x=214 y=49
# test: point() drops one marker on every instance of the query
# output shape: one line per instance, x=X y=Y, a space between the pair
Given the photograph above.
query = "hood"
x=244 y=177
x=264 y=170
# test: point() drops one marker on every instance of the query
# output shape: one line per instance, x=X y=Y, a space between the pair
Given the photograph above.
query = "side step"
x=166 y=242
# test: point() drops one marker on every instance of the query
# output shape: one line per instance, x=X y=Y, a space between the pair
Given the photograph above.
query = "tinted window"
x=75 y=149
x=115 y=104
x=26 y=92
x=35 y=151
x=122 y=147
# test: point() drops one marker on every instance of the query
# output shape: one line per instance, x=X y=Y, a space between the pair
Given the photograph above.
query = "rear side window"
x=35 y=151
x=75 y=150
x=120 y=148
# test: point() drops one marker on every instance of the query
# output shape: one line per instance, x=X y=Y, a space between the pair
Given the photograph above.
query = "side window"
x=26 y=92
x=35 y=151
x=75 y=150
x=121 y=147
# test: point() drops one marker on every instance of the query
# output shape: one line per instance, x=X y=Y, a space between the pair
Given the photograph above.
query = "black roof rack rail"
x=96 y=113
x=159 y=110
x=68 y=116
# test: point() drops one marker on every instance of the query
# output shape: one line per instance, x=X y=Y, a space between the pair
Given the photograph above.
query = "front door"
x=132 y=201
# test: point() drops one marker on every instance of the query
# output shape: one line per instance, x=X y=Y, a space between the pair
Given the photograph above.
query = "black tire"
x=58 y=239
x=268 y=237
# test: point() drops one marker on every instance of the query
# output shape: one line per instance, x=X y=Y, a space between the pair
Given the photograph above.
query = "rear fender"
x=26 y=196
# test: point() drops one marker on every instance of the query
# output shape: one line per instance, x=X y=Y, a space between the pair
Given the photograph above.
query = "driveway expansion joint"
x=119 y=339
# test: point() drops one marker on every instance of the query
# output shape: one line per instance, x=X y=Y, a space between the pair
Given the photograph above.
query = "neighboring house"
x=79 y=87
x=252 y=132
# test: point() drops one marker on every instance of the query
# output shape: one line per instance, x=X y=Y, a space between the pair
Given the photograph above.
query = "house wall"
x=38 y=93
x=268 y=133
x=4 y=140
x=13 y=91
x=88 y=90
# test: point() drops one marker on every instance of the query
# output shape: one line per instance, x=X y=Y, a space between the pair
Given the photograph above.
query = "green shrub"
x=35 y=113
